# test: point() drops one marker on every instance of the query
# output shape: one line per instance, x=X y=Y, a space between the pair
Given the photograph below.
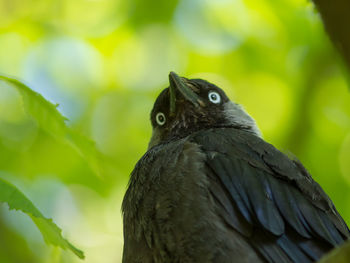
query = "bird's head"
x=190 y=105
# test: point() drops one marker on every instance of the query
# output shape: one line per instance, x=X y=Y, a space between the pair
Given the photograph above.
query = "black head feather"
x=189 y=105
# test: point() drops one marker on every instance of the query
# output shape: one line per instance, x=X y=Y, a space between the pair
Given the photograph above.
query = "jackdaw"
x=210 y=189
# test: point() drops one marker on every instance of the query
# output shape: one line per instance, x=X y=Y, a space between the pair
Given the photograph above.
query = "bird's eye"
x=160 y=118
x=214 y=97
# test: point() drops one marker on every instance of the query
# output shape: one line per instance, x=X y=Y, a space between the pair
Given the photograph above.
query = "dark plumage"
x=209 y=189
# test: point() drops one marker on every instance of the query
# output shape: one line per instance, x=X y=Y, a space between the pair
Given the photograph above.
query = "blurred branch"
x=336 y=18
x=338 y=255
x=301 y=126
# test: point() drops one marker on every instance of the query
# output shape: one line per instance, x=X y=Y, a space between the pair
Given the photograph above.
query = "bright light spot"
x=64 y=71
x=196 y=21
x=141 y=61
x=268 y=100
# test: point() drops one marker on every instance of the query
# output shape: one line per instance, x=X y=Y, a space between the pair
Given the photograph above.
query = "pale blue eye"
x=214 y=97
x=160 y=118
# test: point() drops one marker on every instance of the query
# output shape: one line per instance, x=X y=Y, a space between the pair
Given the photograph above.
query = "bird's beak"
x=176 y=83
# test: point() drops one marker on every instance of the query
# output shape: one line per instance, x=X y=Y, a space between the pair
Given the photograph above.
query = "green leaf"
x=50 y=119
x=50 y=231
x=43 y=111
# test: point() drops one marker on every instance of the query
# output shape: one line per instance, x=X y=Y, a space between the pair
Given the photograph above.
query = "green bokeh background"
x=104 y=62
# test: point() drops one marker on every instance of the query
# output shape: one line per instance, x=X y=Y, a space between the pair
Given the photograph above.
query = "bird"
x=211 y=189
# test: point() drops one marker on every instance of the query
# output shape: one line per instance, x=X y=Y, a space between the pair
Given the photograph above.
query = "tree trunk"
x=336 y=18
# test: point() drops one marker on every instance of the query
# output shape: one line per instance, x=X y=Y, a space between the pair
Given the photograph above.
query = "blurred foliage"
x=103 y=62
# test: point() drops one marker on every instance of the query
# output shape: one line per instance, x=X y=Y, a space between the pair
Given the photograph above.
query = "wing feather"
x=235 y=191
x=288 y=215
x=287 y=200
